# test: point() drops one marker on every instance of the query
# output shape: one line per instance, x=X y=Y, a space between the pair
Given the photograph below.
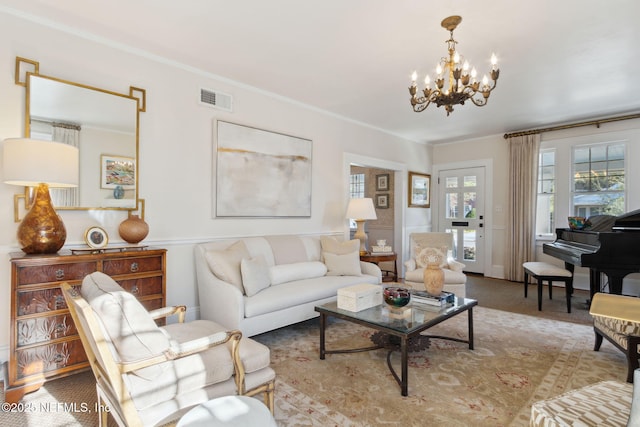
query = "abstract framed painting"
x=260 y=173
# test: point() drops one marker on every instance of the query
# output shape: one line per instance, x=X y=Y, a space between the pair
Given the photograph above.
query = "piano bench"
x=545 y=272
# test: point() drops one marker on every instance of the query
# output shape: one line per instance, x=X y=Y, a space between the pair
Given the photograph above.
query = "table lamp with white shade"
x=360 y=210
x=40 y=164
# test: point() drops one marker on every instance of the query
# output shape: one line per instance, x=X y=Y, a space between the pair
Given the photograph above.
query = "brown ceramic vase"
x=133 y=229
x=433 y=279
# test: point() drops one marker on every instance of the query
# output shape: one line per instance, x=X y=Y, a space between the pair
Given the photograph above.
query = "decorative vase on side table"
x=433 y=279
x=133 y=229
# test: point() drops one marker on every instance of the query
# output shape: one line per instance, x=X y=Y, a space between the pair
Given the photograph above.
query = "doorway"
x=461 y=211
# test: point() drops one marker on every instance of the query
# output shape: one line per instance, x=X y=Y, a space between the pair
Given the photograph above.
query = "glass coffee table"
x=401 y=326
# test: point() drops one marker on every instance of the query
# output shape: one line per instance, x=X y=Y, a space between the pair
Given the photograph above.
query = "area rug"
x=517 y=360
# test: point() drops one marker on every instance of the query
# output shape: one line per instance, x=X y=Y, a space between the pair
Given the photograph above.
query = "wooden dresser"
x=44 y=343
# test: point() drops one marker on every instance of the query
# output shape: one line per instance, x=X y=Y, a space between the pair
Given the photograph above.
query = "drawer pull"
x=59 y=274
x=59 y=358
x=135 y=290
x=134 y=267
x=58 y=302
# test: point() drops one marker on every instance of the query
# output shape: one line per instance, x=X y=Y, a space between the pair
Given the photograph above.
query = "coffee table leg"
x=405 y=370
x=323 y=323
x=471 y=328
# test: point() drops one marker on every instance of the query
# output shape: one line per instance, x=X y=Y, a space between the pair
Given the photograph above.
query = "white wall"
x=495 y=148
x=176 y=165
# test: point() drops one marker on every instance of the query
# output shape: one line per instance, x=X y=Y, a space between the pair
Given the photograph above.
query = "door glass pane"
x=469 y=241
x=454 y=231
x=470 y=181
x=452 y=205
x=470 y=205
x=451 y=182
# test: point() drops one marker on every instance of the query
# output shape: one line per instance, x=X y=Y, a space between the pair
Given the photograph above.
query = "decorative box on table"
x=359 y=297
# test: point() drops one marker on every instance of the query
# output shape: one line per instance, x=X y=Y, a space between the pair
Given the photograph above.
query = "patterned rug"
x=518 y=359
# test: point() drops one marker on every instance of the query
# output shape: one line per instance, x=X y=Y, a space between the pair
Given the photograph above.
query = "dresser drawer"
x=38 y=330
x=152 y=304
x=39 y=301
x=54 y=272
x=114 y=267
x=49 y=358
x=143 y=286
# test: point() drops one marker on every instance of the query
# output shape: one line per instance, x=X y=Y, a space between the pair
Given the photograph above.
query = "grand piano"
x=607 y=245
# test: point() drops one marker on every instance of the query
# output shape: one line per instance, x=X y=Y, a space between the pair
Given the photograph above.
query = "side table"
x=387 y=276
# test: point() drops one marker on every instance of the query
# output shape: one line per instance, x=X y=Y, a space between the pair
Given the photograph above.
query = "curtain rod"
x=572 y=125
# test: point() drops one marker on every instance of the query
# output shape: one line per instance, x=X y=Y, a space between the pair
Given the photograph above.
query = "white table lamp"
x=360 y=210
x=40 y=164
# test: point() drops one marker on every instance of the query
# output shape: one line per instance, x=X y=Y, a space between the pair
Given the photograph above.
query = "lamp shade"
x=361 y=209
x=29 y=162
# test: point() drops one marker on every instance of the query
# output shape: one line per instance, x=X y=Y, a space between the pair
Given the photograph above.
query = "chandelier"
x=455 y=84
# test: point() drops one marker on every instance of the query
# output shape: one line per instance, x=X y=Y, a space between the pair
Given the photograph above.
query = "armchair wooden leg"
x=598 y=342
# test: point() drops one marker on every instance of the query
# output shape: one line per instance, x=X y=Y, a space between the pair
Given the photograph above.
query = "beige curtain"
x=521 y=215
x=68 y=134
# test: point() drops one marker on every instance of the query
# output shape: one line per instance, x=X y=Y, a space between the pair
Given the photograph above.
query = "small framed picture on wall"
x=382 y=201
x=419 y=190
x=382 y=182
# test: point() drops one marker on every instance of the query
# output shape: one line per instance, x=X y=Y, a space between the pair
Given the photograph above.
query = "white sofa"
x=257 y=284
x=434 y=245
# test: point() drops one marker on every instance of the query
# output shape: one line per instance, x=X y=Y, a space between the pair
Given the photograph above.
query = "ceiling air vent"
x=213 y=98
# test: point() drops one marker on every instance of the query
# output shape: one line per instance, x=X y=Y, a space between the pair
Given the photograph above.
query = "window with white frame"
x=545 y=211
x=598 y=179
x=356 y=191
x=356 y=186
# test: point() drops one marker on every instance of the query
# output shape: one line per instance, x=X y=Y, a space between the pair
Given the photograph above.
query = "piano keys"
x=607 y=245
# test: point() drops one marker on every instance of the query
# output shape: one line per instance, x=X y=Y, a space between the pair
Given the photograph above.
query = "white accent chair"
x=454 y=279
x=148 y=375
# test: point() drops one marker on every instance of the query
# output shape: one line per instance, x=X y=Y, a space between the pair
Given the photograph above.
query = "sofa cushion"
x=291 y=294
x=133 y=332
x=297 y=271
x=332 y=245
x=225 y=264
x=343 y=265
x=255 y=275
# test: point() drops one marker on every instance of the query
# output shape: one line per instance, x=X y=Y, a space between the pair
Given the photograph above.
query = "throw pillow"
x=334 y=246
x=225 y=264
x=255 y=275
x=343 y=265
x=427 y=256
x=296 y=271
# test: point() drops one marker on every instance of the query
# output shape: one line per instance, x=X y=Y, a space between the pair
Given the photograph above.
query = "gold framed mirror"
x=103 y=124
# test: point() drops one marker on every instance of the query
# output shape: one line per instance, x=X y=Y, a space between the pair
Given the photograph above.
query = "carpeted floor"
x=518 y=359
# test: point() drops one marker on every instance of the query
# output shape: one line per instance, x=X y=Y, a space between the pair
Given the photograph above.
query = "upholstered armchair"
x=431 y=246
x=148 y=375
x=617 y=318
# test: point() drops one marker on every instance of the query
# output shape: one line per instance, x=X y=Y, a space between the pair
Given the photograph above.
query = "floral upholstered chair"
x=434 y=247
x=617 y=318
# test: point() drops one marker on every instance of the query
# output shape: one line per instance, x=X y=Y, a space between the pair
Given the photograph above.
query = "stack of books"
x=423 y=297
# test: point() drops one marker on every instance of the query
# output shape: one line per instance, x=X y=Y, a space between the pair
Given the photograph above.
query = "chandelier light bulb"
x=439 y=69
x=485 y=81
x=427 y=81
x=474 y=73
x=465 y=66
x=414 y=76
x=456 y=57
x=494 y=60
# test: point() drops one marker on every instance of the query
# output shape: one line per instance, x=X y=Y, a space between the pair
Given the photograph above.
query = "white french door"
x=461 y=201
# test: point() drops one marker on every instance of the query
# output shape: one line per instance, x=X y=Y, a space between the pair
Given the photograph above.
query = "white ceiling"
x=560 y=61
